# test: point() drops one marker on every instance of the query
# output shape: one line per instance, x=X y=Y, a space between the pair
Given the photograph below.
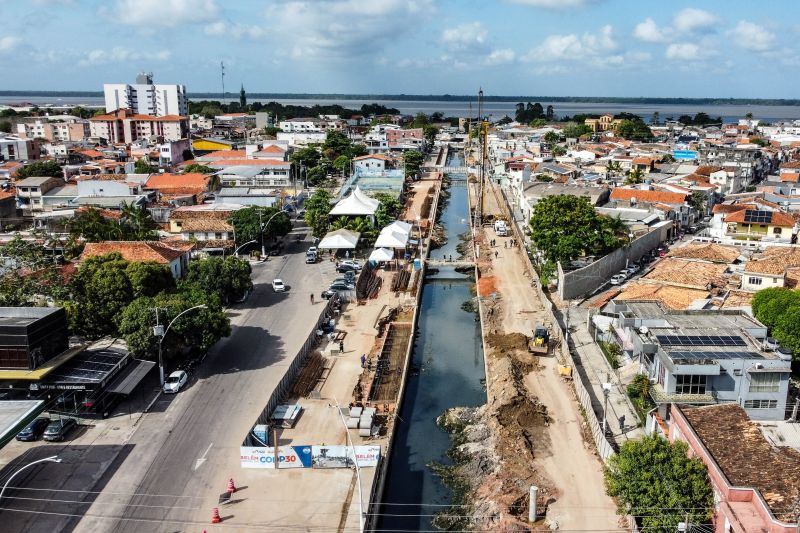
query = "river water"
x=447 y=369
x=495 y=109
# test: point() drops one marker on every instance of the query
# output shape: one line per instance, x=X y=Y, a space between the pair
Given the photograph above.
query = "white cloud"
x=691 y=19
x=237 y=31
x=465 y=38
x=121 y=55
x=648 y=31
x=163 y=13
x=315 y=30
x=753 y=37
x=555 y=4
x=8 y=43
x=688 y=52
x=499 y=57
x=572 y=47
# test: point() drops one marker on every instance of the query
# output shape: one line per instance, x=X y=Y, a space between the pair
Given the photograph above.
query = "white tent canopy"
x=355 y=204
x=398 y=226
x=340 y=239
x=381 y=254
x=391 y=239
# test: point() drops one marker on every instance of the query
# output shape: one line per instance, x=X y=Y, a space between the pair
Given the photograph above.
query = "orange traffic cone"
x=231 y=486
x=215 y=519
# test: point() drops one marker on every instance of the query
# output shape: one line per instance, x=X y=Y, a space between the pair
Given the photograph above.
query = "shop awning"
x=133 y=375
x=381 y=254
x=339 y=239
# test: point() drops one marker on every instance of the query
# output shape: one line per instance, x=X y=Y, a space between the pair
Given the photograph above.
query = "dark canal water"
x=447 y=372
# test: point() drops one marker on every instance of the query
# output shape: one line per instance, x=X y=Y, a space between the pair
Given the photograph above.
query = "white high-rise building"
x=146 y=98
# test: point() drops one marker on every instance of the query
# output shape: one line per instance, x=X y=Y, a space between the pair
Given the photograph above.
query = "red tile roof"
x=793 y=177
x=622 y=193
x=170 y=182
x=250 y=162
x=134 y=250
x=731 y=208
x=223 y=154
x=779 y=218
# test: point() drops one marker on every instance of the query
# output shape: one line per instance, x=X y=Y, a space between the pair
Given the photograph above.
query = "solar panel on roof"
x=758 y=217
x=700 y=340
x=715 y=355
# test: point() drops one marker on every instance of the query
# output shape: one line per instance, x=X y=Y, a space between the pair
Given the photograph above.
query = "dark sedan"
x=34 y=430
x=57 y=430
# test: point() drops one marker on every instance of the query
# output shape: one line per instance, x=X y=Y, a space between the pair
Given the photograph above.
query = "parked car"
x=34 y=430
x=341 y=286
x=633 y=268
x=311 y=257
x=278 y=286
x=312 y=250
x=175 y=381
x=347 y=266
x=350 y=276
x=327 y=294
x=623 y=273
x=619 y=279
x=57 y=430
x=352 y=262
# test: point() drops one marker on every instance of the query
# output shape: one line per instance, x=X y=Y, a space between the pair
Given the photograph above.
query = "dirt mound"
x=504 y=343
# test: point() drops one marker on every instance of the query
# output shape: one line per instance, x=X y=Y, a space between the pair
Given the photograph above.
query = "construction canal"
x=447 y=370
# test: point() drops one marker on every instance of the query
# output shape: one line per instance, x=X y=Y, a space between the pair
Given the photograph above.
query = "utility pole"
x=222 y=74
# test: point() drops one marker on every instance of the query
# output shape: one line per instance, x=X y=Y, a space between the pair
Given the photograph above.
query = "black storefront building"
x=37 y=361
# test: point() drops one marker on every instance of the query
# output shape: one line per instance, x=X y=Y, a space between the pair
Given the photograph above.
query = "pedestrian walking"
x=341 y=346
x=363 y=359
x=622 y=423
x=505 y=244
x=312 y=298
x=495 y=254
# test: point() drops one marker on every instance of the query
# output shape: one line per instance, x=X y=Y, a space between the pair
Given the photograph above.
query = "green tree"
x=575 y=130
x=564 y=227
x=271 y=131
x=247 y=223
x=211 y=111
x=317 y=208
x=550 y=114
x=787 y=329
x=308 y=157
x=538 y=123
x=101 y=290
x=559 y=151
x=148 y=278
x=656 y=119
x=634 y=129
x=388 y=210
x=317 y=175
x=551 y=138
x=198 y=168
x=5 y=126
x=137 y=224
x=229 y=278
x=635 y=176
x=412 y=161
x=429 y=131
x=420 y=120
x=91 y=226
x=356 y=150
x=655 y=481
x=337 y=142
x=41 y=168
x=195 y=331
x=699 y=201
x=769 y=304
x=143 y=167
x=342 y=164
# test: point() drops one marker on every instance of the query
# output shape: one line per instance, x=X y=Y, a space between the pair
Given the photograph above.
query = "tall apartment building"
x=146 y=98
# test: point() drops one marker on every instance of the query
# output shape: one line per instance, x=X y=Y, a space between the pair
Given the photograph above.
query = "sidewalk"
x=599 y=371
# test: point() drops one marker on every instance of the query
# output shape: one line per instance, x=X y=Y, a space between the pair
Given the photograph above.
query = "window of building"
x=760 y=404
x=754 y=281
x=777 y=231
x=765 y=382
x=689 y=384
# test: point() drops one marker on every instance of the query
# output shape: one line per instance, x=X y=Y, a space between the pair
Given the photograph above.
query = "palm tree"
x=635 y=176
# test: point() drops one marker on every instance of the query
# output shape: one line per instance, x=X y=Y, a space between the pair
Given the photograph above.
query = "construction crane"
x=483 y=134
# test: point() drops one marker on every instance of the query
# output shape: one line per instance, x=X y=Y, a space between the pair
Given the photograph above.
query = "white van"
x=500 y=228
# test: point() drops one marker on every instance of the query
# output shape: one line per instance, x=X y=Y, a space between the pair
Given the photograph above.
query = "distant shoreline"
x=443 y=98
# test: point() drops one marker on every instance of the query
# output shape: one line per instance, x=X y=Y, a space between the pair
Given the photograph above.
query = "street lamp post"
x=606 y=392
x=159 y=332
x=349 y=442
x=236 y=251
x=53 y=459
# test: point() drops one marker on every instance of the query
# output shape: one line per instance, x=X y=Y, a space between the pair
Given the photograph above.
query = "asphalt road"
x=188 y=445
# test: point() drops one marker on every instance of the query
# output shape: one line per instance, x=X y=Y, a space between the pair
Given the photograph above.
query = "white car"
x=352 y=263
x=175 y=381
x=633 y=268
x=619 y=279
x=278 y=286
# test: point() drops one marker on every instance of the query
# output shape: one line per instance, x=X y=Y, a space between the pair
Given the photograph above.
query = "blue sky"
x=510 y=47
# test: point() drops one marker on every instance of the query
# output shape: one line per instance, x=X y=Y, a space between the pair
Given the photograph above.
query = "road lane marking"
x=199 y=462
